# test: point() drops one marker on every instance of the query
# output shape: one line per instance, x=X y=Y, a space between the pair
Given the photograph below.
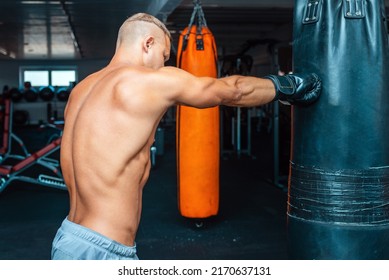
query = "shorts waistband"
x=98 y=239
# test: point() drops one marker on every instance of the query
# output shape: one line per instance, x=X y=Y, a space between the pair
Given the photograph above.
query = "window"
x=45 y=76
x=37 y=78
x=62 y=77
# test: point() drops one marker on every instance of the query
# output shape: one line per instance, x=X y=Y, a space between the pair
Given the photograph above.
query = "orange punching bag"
x=198 y=143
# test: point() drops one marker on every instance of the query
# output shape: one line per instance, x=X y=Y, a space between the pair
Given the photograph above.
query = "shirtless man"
x=110 y=122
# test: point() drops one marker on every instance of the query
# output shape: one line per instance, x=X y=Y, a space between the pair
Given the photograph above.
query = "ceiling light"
x=39 y=2
x=3 y=51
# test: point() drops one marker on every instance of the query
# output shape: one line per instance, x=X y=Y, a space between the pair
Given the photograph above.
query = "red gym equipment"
x=9 y=173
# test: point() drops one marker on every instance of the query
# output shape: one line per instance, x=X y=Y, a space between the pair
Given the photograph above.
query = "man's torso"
x=105 y=150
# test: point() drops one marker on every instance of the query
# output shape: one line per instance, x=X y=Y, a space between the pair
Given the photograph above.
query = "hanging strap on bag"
x=197 y=18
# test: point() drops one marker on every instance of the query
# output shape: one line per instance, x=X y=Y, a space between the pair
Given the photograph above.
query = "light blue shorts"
x=75 y=242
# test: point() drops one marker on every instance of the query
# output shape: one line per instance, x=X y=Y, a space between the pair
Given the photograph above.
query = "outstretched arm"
x=245 y=91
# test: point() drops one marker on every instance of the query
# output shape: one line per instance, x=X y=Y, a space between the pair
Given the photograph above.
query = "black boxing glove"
x=292 y=89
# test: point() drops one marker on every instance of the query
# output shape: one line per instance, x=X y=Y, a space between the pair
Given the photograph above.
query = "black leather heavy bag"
x=338 y=203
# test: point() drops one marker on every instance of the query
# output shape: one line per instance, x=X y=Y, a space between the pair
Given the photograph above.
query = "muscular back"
x=110 y=122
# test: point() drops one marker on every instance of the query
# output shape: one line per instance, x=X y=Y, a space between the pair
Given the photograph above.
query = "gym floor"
x=251 y=223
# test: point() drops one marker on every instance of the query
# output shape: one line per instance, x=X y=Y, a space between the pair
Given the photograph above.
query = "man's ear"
x=147 y=43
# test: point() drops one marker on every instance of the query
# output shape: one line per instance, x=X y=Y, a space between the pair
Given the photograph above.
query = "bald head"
x=138 y=26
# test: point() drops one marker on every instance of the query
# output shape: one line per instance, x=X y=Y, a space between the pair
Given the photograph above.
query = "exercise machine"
x=42 y=158
x=10 y=173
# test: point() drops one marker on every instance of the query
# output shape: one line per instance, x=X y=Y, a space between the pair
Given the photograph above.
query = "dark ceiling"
x=87 y=29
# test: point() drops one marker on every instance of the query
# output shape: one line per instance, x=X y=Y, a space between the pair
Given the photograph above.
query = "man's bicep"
x=187 y=89
x=201 y=92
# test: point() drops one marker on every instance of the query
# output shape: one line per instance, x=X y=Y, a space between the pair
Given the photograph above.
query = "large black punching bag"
x=338 y=200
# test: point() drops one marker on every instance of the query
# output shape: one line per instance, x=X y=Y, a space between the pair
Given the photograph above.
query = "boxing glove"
x=296 y=89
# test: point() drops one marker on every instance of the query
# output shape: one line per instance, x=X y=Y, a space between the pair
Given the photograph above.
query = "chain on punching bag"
x=198 y=130
x=338 y=203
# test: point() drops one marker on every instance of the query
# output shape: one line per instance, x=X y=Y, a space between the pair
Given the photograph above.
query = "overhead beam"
x=242 y=3
x=163 y=8
x=73 y=34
